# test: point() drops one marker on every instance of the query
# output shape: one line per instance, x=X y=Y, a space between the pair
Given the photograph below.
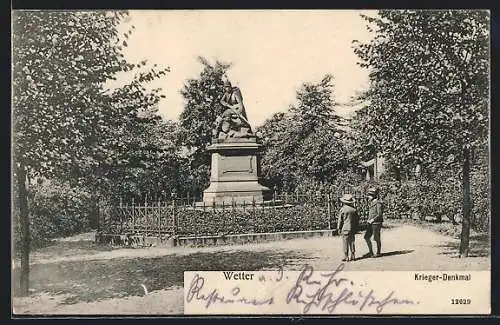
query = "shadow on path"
x=396 y=253
x=479 y=246
x=90 y=281
x=385 y=254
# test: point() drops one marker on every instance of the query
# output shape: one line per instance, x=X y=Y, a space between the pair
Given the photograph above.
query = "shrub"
x=438 y=198
x=56 y=210
x=197 y=222
x=209 y=221
x=435 y=198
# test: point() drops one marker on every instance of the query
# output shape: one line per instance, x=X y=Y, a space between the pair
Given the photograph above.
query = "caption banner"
x=336 y=292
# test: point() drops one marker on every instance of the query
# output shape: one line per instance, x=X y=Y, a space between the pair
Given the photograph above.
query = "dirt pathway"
x=97 y=281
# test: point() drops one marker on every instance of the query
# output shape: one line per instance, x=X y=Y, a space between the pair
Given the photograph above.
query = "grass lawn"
x=93 y=280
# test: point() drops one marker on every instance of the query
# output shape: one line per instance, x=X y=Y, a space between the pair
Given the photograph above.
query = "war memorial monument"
x=235 y=155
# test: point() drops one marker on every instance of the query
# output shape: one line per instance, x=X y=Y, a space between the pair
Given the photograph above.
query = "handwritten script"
x=333 y=290
x=308 y=292
x=212 y=296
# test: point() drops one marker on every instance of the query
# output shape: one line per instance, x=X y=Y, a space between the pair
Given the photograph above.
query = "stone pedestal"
x=235 y=173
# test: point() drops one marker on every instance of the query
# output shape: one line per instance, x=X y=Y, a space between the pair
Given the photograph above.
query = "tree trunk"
x=464 y=237
x=94 y=213
x=24 y=228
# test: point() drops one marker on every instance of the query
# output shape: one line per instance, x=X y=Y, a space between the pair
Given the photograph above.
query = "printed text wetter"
x=238 y=276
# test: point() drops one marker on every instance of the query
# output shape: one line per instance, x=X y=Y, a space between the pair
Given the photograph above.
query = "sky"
x=272 y=52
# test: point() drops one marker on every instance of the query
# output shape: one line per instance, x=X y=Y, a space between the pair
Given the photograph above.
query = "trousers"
x=348 y=244
x=373 y=230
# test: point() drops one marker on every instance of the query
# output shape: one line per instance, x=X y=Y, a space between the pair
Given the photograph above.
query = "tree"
x=147 y=167
x=361 y=138
x=362 y=143
x=315 y=107
x=65 y=123
x=304 y=142
x=201 y=108
x=428 y=98
x=277 y=170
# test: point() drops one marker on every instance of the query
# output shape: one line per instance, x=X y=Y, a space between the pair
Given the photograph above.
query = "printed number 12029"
x=461 y=301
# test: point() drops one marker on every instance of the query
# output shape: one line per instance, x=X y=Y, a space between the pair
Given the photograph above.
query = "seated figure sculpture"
x=233 y=122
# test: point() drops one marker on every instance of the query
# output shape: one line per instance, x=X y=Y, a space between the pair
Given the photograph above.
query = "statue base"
x=235 y=173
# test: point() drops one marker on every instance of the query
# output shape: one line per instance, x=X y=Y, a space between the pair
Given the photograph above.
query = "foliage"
x=150 y=166
x=56 y=210
x=436 y=198
x=201 y=108
x=428 y=97
x=277 y=168
x=209 y=221
x=315 y=107
x=66 y=123
x=358 y=139
x=287 y=212
x=304 y=143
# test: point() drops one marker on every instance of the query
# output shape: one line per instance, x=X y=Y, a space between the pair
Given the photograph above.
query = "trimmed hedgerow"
x=198 y=222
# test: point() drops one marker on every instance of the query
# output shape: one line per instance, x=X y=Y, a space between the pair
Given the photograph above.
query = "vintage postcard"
x=251 y=162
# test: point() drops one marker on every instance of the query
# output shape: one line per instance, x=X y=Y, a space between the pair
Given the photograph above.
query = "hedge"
x=56 y=210
x=254 y=220
x=438 y=198
x=191 y=221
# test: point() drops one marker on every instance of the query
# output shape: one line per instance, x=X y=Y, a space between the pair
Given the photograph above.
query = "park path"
x=405 y=247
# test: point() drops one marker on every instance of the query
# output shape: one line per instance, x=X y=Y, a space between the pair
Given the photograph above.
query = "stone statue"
x=233 y=122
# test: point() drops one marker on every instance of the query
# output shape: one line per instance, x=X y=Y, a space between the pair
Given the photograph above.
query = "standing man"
x=347 y=226
x=375 y=220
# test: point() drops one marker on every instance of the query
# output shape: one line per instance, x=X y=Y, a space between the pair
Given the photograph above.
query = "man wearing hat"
x=347 y=226
x=375 y=220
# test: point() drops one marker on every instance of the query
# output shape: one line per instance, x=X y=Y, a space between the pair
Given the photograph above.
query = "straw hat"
x=347 y=199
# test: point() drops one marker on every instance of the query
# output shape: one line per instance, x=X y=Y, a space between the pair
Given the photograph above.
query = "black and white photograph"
x=174 y=162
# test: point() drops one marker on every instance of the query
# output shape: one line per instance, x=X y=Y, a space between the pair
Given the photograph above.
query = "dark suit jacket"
x=348 y=220
x=375 y=211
